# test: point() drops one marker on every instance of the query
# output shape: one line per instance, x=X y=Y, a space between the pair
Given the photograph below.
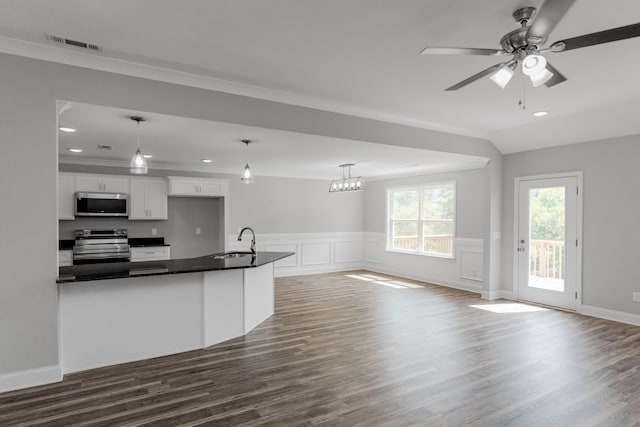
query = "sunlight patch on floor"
x=384 y=281
x=509 y=308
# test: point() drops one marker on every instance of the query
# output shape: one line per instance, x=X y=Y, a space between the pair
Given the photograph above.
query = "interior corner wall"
x=611 y=207
x=472 y=222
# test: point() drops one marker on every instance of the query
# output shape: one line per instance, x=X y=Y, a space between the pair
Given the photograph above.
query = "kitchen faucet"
x=253 y=239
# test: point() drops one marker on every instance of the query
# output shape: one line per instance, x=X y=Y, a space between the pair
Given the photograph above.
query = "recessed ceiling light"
x=207 y=160
x=540 y=113
x=66 y=129
x=75 y=150
x=147 y=156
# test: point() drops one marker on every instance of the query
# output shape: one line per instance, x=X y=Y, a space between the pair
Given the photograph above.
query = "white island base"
x=114 y=321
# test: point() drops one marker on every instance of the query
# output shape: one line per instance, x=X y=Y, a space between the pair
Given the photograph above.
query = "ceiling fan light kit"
x=504 y=74
x=526 y=43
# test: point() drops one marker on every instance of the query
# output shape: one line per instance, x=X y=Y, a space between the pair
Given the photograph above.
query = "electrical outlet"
x=154 y=231
x=198 y=230
x=636 y=297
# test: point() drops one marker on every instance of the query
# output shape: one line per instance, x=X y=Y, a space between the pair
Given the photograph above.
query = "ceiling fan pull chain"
x=523 y=93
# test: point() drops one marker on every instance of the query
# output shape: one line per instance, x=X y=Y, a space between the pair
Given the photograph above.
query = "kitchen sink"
x=226 y=255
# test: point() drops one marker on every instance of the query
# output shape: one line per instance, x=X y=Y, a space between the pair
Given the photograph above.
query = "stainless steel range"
x=97 y=246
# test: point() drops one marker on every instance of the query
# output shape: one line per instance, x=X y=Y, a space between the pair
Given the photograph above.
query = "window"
x=422 y=219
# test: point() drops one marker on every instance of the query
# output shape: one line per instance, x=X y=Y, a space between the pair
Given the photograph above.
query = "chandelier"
x=347 y=183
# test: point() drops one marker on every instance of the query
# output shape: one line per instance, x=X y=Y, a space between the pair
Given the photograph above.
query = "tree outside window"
x=422 y=219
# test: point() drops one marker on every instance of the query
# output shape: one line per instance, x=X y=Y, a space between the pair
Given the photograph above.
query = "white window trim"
x=420 y=188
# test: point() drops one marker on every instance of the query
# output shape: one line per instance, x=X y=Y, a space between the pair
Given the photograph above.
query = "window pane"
x=405 y=235
x=438 y=203
x=405 y=205
x=438 y=237
x=547 y=255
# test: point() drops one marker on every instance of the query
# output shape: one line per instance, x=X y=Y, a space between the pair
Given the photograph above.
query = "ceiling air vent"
x=75 y=43
x=104 y=147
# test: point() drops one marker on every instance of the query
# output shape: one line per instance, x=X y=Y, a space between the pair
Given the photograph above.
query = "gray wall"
x=473 y=210
x=611 y=229
x=472 y=201
x=28 y=131
x=179 y=230
x=272 y=204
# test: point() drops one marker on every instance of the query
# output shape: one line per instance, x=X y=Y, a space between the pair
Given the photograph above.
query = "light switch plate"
x=154 y=231
x=198 y=230
x=636 y=297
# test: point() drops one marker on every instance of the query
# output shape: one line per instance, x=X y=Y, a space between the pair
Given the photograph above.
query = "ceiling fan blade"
x=606 y=36
x=461 y=51
x=546 y=19
x=557 y=77
x=475 y=77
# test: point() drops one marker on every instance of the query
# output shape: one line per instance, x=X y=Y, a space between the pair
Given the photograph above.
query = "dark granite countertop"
x=144 y=242
x=121 y=270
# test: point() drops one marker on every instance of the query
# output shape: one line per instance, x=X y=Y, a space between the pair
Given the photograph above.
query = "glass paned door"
x=547 y=241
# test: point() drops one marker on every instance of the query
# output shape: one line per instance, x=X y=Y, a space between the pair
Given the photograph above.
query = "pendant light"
x=138 y=164
x=347 y=183
x=247 y=176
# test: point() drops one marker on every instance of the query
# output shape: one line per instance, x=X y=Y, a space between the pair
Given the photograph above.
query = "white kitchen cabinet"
x=150 y=253
x=66 y=190
x=65 y=258
x=197 y=187
x=102 y=183
x=148 y=198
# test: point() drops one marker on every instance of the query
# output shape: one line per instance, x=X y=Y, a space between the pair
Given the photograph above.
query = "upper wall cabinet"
x=66 y=190
x=198 y=187
x=148 y=198
x=102 y=183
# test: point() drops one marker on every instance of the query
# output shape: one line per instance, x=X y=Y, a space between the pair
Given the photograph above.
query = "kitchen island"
x=121 y=312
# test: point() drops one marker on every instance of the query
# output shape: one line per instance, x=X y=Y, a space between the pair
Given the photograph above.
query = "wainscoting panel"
x=291 y=261
x=316 y=253
x=470 y=253
x=347 y=251
x=465 y=271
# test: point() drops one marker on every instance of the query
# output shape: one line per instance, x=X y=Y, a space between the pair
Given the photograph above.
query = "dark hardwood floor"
x=343 y=351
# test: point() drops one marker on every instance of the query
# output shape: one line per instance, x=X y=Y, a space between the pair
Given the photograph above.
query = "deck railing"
x=547 y=258
x=441 y=244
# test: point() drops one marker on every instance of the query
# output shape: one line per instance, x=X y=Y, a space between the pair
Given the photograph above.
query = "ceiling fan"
x=525 y=44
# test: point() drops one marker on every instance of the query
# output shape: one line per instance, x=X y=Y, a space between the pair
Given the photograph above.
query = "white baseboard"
x=30 y=378
x=499 y=294
x=317 y=269
x=434 y=281
x=604 y=313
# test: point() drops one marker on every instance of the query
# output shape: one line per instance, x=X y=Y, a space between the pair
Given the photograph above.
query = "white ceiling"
x=361 y=56
x=181 y=143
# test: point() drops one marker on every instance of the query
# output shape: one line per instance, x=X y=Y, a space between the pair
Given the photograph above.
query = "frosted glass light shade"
x=533 y=64
x=247 y=176
x=138 y=164
x=541 y=77
x=502 y=76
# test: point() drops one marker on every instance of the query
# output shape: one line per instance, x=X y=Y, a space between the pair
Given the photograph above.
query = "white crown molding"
x=131 y=67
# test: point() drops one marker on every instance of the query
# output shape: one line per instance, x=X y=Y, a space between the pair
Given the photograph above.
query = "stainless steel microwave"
x=101 y=204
